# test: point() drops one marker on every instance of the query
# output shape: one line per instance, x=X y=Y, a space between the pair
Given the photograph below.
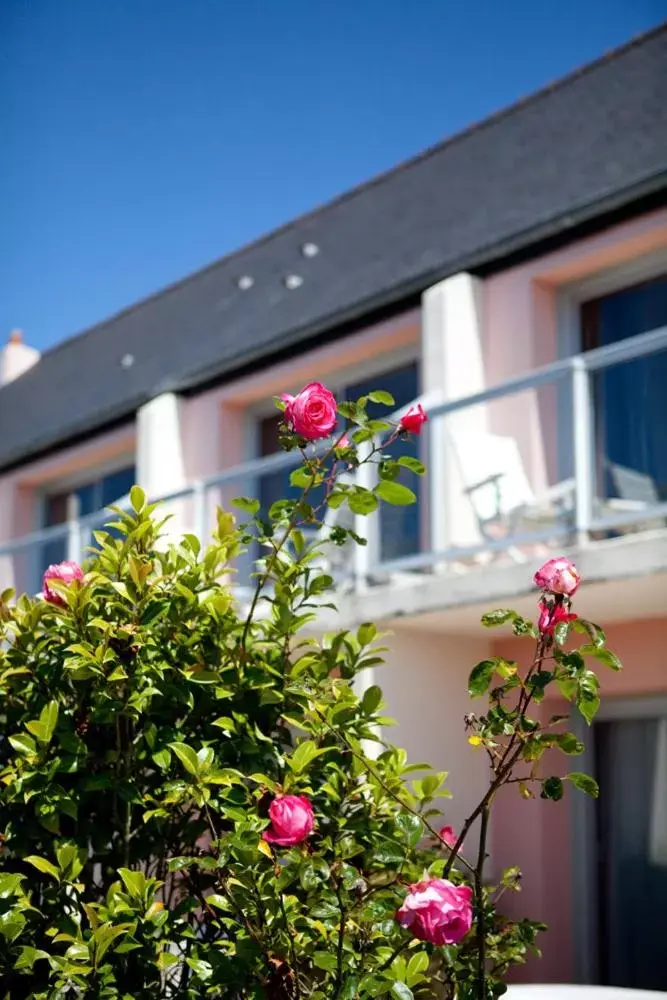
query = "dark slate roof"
x=594 y=141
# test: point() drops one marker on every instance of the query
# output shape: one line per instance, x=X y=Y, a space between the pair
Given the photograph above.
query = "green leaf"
x=410 y=826
x=104 y=936
x=28 y=957
x=498 y=617
x=380 y=396
x=569 y=744
x=303 y=755
x=134 y=882
x=137 y=499
x=394 y=493
x=187 y=757
x=602 y=655
x=325 y=960
x=247 y=504
x=371 y=699
x=588 y=695
x=361 y=501
x=480 y=678
x=162 y=758
x=552 y=788
x=413 y=464
x=23 y=744
x=366 y=633
x=402 y=992
x=11 y=924
x=203 y=970
x=49 y=719
x=42 y=865
x=593 y=631
x=584 y=783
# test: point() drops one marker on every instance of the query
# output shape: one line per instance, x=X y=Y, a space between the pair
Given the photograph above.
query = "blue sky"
x=141 y=139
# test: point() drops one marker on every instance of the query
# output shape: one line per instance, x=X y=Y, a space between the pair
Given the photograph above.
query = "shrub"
x=187 y=805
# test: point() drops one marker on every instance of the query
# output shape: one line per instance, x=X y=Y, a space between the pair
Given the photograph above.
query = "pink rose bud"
x=550 y=617
x=292 y=820
x=67 y=572
x=343 y=443
x=437 y=911
x=448 y=836
x=311 y=413
x=558 y=576
x=413 y=420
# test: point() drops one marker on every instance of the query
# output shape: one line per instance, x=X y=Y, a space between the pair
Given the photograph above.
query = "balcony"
x=571 y=457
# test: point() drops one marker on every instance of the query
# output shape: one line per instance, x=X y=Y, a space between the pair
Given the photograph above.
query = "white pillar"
x=160 y=456
x=453 y=365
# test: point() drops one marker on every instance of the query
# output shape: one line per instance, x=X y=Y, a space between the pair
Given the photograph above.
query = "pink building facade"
x=544 y=375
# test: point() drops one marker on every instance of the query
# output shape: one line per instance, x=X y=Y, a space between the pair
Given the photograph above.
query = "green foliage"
x=149 y=723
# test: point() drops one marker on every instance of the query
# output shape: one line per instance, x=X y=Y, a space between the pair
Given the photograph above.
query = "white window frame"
x=569 y=298
x=583 y=843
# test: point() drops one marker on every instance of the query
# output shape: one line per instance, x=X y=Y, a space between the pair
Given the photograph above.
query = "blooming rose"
x=558 y=576
x=67 y=572
x=413 y=419
x=550 y=617
x=311 y=413
x=448 y=836
x=437 y=911
x=292 y=820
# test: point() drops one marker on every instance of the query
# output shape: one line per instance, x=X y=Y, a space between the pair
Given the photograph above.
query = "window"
x=630 y=398
x=399 y=526
x=81 y=500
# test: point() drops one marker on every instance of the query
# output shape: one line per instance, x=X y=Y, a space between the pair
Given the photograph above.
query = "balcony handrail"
x=640 y=346
x=594 y=360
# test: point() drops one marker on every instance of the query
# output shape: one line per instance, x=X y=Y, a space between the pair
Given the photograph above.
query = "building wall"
x=425 y=680
x=537 y=834
x=523 y=329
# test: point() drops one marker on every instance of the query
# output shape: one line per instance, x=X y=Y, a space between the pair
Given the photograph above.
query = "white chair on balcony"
x=494 y=481
x=504 y=503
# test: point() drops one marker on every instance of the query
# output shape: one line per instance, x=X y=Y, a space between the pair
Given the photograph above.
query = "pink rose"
x=343 y=443
x=448 y=836
x=312 y=413
x=67 y=572
x=550 y=617
x=437 y=911
x=292 y=820
x=558 y=576
x=413 y=420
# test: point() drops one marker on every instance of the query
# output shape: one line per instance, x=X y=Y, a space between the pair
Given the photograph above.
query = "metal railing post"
x=200 y=513
x=74 y=541
x=366 y=525
x=582 y=424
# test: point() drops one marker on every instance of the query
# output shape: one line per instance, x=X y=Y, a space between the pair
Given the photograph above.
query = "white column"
x=160 y=456
x=453 y=365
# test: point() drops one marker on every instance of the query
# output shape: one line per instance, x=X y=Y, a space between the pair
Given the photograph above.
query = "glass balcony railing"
x=571 y=454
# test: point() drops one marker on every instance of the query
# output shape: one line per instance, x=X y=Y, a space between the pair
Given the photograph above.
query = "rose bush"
x=187 y=805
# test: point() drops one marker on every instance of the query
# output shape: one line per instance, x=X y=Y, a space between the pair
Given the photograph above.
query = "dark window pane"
x=399 y=526
x=117 y=485
x=630 y=398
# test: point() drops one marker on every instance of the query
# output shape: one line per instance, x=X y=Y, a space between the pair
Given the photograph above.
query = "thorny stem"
x=506 y=762
x=341 y=942
x=479 y=903
x=292 y=949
